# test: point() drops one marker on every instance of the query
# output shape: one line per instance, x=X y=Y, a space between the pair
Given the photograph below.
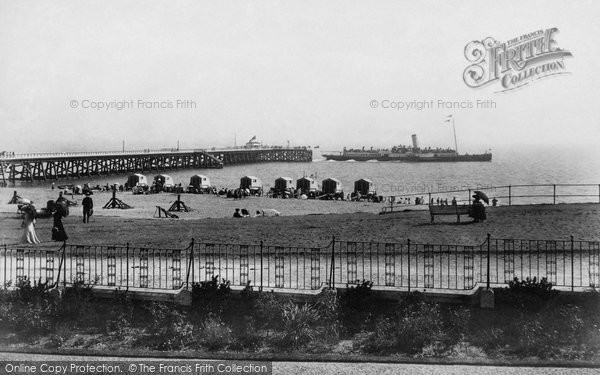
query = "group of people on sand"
x=58 y=209
x=259 y=213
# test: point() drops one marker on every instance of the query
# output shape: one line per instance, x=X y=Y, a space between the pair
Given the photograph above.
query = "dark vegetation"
x=530 y=320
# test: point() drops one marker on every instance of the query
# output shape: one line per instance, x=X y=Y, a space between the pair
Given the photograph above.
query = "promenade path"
x=333 y=368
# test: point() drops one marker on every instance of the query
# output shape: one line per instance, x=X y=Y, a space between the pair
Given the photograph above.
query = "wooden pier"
x=263 y=155
x=53 y=166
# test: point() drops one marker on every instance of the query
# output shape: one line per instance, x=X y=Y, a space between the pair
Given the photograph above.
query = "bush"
x=419 y=325
x=211 y=296
x=77 y=306
x=168 y=327
x=455 y=321
x=215 y=335
x=357 y=307
x=299 y=325
x=415 y=326
x=120 y=316
x=529 y=294
x=328 y=308
x=29 y=309
x=268 y=311
x=246 y=336
x=36 y=293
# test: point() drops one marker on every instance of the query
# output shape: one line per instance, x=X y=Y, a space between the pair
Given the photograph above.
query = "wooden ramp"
x=161 y=212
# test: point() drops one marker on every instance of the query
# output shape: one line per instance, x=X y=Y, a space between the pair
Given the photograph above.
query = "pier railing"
x=407 y=266
x=14 y=156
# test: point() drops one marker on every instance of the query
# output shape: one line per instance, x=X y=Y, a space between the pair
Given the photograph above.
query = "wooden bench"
x=449 y=210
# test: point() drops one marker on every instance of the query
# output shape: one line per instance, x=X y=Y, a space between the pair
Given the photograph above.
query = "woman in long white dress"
x=29 y=235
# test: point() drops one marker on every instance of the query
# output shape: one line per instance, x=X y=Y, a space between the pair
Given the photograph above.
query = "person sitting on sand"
x=237 y=213
x=245 y=213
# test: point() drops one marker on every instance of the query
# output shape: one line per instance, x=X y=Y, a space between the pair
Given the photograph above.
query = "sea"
x=541 y=167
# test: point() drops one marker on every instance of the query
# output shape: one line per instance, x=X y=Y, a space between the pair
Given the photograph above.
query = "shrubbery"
x=415 y=325
x=531 y=319
x=529 y=294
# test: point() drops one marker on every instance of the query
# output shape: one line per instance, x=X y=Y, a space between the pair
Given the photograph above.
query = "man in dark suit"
x=88 y=206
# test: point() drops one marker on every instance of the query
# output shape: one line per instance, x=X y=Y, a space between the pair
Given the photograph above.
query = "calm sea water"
x=521 y=166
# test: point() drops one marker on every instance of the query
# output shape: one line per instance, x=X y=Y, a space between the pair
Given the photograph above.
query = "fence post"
x=572 y=264
x=64 y=257
x=554 y=194
x=60 y=262
x=488 y=261
x=332 y=271
x=127 y=267
x=408 y=265
x=5 y=256
x=190 y=266
x=261 y=266
x=509 y=194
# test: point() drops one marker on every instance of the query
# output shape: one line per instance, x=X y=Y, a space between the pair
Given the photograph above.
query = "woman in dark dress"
x=477 y=210
x=58 y=230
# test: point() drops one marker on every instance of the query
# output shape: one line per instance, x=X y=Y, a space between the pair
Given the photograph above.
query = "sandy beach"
x=302 y=222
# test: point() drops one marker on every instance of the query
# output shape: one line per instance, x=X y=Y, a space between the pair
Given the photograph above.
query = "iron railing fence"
x=394 y=266
x=505 y=195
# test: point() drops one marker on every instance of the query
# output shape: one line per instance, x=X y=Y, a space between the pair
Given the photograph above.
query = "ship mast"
x=455 y=144
x=454 y=129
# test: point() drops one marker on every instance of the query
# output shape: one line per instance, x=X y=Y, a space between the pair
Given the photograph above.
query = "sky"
x=303 y=72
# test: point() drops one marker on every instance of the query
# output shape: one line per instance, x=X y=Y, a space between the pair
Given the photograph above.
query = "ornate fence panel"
x=50 y=267
x=279 y=267
x=144 y=268
x=390 y=265
x=594 y=266
x=111 y=266
x=469 y=267
x=315 y=268
x=428 y=267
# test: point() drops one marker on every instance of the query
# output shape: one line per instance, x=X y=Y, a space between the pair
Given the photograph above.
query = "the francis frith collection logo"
x=514 y=63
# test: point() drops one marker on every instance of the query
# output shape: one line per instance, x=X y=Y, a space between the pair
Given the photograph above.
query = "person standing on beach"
x=58 y=230
x=29 y=235
x=88 y=206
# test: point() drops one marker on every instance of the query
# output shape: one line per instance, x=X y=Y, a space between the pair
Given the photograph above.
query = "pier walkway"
x=52 y=166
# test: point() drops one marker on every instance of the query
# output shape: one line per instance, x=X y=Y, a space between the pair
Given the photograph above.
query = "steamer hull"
x=415 y=158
